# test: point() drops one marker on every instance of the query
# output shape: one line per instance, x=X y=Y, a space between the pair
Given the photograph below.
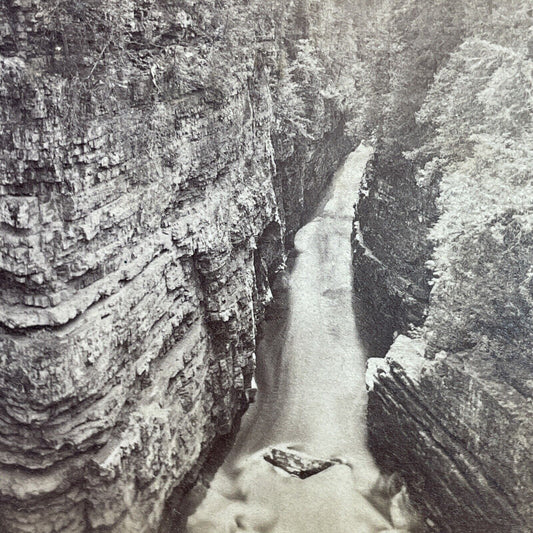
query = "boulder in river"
x=298 y=463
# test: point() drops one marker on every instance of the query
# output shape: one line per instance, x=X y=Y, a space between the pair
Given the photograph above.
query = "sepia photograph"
x=266 y=266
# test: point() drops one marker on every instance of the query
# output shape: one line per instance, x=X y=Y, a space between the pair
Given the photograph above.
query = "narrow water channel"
x=311 y=398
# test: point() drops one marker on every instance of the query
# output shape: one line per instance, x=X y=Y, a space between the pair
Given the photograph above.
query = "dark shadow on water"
x=189 y=495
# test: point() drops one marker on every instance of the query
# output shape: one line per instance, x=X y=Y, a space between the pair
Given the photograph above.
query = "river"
x=311 y=397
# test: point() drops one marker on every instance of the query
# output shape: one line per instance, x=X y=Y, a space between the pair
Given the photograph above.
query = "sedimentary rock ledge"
x=148 y=183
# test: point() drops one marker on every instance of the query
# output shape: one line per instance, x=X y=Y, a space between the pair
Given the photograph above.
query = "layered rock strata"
x=459 y=434
x=442 y=260
x=392 y=218
x=454 y=420
x=139 y=222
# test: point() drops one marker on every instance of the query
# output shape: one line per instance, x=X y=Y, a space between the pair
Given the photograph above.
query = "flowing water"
x=311 y=397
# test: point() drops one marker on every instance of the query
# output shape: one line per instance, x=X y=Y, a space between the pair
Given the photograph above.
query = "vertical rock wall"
x=139 y=220
x=454 y=424
x=391 y=248
x=459 y=434
x=442 y=258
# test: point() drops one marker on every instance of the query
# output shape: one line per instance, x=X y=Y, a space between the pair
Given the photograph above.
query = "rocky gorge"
x=157 y=160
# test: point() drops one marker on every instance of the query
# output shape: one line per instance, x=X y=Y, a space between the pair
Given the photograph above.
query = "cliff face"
x=403 y=46
x=391 y=278
x=442 y=255
x=459 y=434
x=450 y=404
x=141 y=213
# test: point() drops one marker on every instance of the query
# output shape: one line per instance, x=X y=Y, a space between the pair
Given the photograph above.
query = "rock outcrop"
x=298 y=463
x=391 y=278
x=141 y=213
x=454 y=421
x=459 y=435
x=442 y=257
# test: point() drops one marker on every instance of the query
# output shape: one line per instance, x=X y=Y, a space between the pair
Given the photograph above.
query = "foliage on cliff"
x=450 y=86
x=403 y=44
x=314 y=69
x=480 y=108
x=450 y=409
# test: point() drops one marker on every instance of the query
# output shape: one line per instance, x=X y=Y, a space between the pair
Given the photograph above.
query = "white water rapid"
x=311 y=397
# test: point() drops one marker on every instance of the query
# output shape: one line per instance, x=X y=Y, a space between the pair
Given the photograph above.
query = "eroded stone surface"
x=458 y=433
x=391 y=248
x=453 y=425
x=297 y=464
x=139 y=220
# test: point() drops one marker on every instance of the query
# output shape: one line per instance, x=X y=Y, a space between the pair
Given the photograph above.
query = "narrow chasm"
x=300 y=463
x=266 y=266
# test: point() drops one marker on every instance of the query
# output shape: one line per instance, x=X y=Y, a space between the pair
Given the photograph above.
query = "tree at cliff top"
x=403 y=45
x=480 y=110
x=452 y=83
x=315 y=68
